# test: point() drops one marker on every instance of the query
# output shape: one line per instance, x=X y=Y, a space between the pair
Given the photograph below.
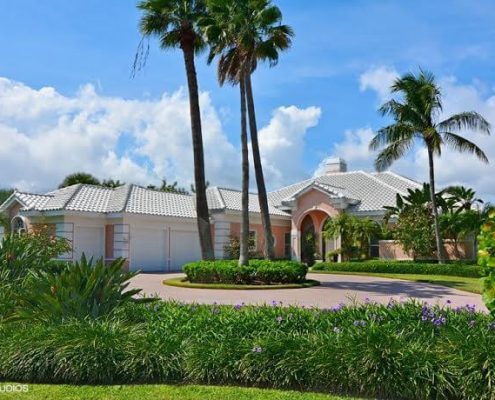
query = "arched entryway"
x=18 y=224
x=308 y=240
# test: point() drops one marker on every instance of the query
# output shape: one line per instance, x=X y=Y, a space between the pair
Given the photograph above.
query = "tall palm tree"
x=175 y=23
x=245 y=32
x=416 y=117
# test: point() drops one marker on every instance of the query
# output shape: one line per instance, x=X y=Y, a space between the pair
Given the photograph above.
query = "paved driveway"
x=333 y=289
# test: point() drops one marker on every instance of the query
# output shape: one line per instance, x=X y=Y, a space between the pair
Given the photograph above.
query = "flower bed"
x=407 y=351
x=258 y=272
x=402 y=267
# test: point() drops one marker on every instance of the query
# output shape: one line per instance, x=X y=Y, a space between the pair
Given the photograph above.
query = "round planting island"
x=183 y=282
x=258 y=275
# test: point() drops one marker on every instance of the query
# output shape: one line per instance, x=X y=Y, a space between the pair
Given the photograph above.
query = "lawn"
x=158 y=392
x=180 y=282
x=472 y=285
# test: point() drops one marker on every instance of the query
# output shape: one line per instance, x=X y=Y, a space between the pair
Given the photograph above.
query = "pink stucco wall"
x=316 y=203
x=392 y=250
x=278 y=233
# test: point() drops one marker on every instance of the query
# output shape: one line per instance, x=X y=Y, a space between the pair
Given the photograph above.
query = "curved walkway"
x=333 y=290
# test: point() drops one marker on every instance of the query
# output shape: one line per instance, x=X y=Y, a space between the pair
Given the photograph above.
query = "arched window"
x=19 y=225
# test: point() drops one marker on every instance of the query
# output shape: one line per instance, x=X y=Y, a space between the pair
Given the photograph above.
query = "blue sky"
x=68 y=44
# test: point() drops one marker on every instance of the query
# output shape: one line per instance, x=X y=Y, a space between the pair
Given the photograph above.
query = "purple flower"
x=424 y=318
x=338 y=307
x=448 y=302
x=274 y=303
x=360 y=323
x=491 y=326
x=337 y=329
x=367 y=300
x=279 y=319
x=472 y=323
x=238 y=306
x=441 y=320
x=257 y=349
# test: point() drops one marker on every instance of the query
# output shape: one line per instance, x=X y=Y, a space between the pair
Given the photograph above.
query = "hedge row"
x=400 y=351
x=257 y=272
x=402 y=267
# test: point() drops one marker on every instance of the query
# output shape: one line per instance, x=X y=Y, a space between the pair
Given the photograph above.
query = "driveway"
x=333 y=290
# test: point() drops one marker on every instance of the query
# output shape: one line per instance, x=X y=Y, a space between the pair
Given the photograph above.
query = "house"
x=156 y=231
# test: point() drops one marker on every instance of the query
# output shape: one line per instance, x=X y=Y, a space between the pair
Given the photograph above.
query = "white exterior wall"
x=87 y=233
x=161 y=244
x=222 y=235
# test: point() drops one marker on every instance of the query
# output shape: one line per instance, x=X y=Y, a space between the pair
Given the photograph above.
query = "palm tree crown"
x=242 y=32
x=174 y=22
x=416 y=117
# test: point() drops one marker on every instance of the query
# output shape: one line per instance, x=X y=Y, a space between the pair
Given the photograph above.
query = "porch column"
x=295 y=244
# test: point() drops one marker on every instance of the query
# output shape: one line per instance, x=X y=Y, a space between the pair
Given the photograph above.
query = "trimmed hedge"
x=402 y=267
x=258 y=272
x=406 y=351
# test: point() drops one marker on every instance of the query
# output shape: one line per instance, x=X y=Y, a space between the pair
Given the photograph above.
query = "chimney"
x=333 y=165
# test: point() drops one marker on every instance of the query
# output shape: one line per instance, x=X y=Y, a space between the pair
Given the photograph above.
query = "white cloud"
x=282 y=144
x=46 y=135
x=451 y=168
x=378 y=79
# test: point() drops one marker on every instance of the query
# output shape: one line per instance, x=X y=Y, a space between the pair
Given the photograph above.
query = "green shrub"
x=401 y=350
x=257 y=272
x=82 y=290
x=487 y=261
x=402 y=267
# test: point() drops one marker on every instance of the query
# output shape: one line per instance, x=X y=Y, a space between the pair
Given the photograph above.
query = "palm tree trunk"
x=244 y=251
x=203 y=216
x=258 y=169
x=438 y=237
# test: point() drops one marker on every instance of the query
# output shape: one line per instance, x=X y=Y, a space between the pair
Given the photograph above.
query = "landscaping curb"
x=180 y=282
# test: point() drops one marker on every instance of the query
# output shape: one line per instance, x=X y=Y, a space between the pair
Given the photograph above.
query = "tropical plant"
x=111 y=183
x=79 y=177
x=416 y=118
x=355 y=234
x=232 y=248
x=487 y=261
x=461 y=198
x=175 y=24
x=308 y=248
x=84 y=289
x=414 y=230
x=242 y=33
x=169 y=188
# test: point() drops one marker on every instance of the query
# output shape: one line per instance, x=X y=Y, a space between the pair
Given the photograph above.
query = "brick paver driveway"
x=333 y=289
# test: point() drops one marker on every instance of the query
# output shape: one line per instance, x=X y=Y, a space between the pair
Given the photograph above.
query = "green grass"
x=180 y=282
x=159 y=392
x=472 y=285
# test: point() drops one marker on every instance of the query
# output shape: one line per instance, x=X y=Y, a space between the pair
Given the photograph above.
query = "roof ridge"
x=77 y=190
x=161 y=191
x=404 y=178
x=222 y=200
x=127 y=196
x=370 y=175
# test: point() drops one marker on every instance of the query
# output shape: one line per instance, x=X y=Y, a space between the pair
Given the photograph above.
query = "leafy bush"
x=80 y=291
x=487 y=261
x=402 y=267
x=232 y=249
x=257 y=272
x=407 y=351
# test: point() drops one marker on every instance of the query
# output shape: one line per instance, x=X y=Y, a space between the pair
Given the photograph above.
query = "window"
x=252 y=241
x=287 y=246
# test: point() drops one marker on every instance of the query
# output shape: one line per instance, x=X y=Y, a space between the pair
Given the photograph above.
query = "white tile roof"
x=220 y=199
x=373 y=191
x=127 y=198
x=367 y=192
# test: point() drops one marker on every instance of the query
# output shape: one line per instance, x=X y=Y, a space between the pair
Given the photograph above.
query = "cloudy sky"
x=68 y=102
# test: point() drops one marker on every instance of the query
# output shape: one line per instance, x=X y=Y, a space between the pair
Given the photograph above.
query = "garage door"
x=184 y=248
x=148 y=249
x=88 y=240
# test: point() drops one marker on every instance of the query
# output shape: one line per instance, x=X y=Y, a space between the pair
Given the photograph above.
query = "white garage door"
x=88 y=240
x=184 y=248
x=148 y=249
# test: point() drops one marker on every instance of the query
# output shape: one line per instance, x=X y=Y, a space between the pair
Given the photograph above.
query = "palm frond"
x=469 y=120
x=463 y=145
x=392 y=153
x=391 y=134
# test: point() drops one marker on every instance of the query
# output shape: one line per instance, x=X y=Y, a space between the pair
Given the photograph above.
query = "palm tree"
x=79 y=177
x=461 y=198
x=245 y=32
x=175 y=23
x=416 y=119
